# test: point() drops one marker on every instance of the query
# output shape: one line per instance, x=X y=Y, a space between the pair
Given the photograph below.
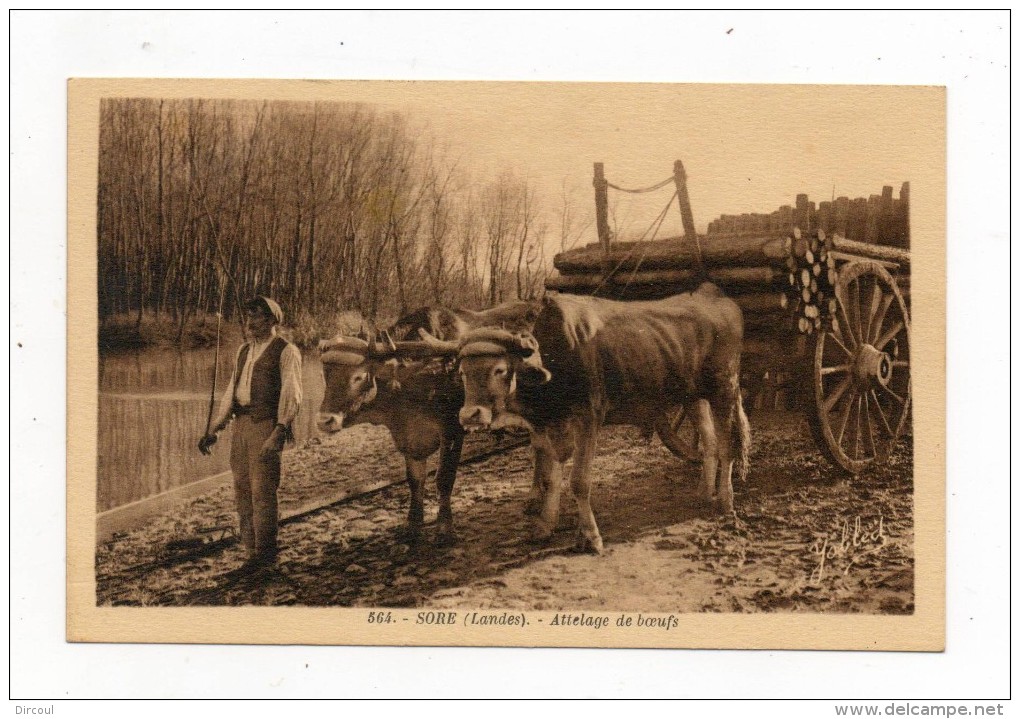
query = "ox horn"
x=343 y=342
x=498 y=335
x=488 y=341
x=344 y=350
x=526 y=345
x=437 y=346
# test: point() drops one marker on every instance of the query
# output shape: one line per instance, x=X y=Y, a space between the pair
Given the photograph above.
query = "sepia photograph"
x=476 y=356
x=481 y=355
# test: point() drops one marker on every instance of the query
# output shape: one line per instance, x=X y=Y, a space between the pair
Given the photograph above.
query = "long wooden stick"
x=601 y=207
x=216 y=362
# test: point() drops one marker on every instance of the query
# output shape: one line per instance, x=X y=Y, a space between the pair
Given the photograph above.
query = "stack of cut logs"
x=781 y=281
x=880 y=219
x=812 y=281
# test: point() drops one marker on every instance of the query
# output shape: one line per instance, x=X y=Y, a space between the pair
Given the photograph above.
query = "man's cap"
x=267 y=305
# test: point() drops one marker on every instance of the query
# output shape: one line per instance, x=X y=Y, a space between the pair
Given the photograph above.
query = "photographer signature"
x=855 y=542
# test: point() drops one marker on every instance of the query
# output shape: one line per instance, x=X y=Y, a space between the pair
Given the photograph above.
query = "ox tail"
x=742 y=439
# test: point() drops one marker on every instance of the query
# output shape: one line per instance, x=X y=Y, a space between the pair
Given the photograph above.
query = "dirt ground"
x=805 y=537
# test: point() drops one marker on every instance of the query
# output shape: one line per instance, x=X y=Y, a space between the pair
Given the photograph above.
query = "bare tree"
x=525 y=241
x=501 y=206
x=327 y=206
x=573 y=224
x=438 y=221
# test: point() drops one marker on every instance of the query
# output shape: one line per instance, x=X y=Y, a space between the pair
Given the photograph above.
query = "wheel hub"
x=872 y=364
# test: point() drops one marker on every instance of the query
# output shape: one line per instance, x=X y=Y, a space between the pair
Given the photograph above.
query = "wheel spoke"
x=900 y=363
x=892 y=394
x=879 y=316
x=856 y=438
x=881 y=415
x=876 y=297
x=841 y=388
x=837 y=331
x=870 y=432
x=840 y=344
x=893 y=331
x=843 y=419
x=837 y=368
x=857 y=310
x=851 y=323
x=845 y=323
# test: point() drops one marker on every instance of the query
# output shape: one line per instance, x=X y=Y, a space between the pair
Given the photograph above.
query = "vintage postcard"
x=506 y=364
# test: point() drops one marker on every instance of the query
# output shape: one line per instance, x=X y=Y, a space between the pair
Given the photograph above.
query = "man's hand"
x=275 y=441
x=205 y=444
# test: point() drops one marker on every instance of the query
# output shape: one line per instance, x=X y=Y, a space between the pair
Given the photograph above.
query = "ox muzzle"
x=330 y=422
x=350 y=365
x=492 y=362
x=341 y=357
x=475 y=417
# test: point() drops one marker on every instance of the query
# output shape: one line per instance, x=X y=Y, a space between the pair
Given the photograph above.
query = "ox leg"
x=415 y=469
x=588 y=537
x=549 y=479
x=539 y=481
x=725 y=453
x=709 y=450
x=449 y=458
x=724 y=411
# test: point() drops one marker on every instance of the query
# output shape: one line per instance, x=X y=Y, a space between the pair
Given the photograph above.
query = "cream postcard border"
x=923 y=630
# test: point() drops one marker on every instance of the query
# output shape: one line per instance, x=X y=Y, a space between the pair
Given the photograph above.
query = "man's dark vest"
x=265 y=381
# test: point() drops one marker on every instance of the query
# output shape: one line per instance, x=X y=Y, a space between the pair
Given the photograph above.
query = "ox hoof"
x=709 y=503
x=533 y=507
x=446 y=538
x=541 y=531
x=409 y=534
x=734 y=522
x=589 y=545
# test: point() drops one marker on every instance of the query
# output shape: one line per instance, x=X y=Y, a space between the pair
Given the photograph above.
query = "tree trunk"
x=678 y=254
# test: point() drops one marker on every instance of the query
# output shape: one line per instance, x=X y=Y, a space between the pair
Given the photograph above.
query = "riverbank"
x=126 y=332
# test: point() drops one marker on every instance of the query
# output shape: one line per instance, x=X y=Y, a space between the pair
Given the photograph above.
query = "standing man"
x=263 y=396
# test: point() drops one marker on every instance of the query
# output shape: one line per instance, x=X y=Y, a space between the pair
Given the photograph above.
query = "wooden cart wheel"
x=862 y=369
x=678 y=431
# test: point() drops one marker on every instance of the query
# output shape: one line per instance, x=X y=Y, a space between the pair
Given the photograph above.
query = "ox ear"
x=531 y=370
x=531 y=375
x=388 y=372
x=531 y=314
x=388 y=341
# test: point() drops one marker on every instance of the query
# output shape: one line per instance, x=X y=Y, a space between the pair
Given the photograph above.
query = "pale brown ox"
x=591 y=362
x=410 y=389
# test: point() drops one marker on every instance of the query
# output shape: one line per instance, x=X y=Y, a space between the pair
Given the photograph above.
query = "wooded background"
x=326 y=207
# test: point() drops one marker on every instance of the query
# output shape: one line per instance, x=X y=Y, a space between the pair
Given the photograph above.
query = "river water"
x=153 y=406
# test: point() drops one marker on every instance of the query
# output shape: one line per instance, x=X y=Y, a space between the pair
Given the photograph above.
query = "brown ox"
x=409 y=388
x=591 y=362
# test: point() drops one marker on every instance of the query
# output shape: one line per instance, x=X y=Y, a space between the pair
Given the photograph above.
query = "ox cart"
x=827 y=313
